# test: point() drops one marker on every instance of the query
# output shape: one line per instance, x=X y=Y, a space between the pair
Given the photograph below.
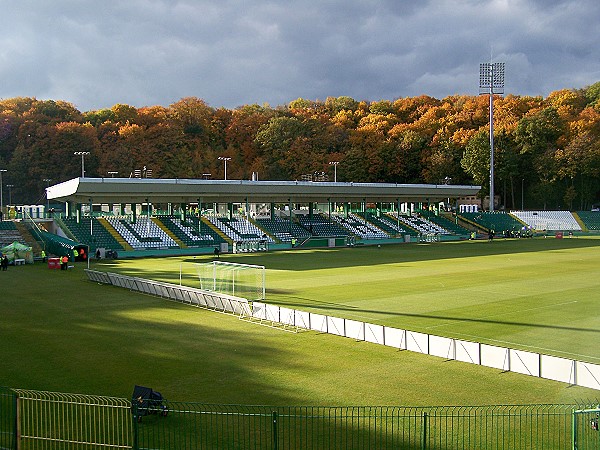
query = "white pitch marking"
x=503 y=314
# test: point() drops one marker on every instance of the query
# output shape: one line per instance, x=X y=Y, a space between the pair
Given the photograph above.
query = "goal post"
x=240 y=280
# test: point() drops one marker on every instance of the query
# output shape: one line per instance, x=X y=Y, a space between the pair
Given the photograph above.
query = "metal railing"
x=31 y=420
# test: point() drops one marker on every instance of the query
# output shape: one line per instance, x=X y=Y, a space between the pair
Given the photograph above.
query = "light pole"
x=10 y=186
x=491 y=80
x=1 y=197
x=224 y=159
x=47 y=180
x=522 y=195
x=83 y=155
x=334 y=164
x=447 y=181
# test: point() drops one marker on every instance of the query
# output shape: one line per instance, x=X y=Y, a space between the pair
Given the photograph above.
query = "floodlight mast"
x=224 y=159
x=83 y=155
x=491 y=80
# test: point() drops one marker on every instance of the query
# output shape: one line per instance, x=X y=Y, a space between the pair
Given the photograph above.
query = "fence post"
x=424 y=435
x=135 y=418
x=574 y=430
x=17 y=431
x=275 y=440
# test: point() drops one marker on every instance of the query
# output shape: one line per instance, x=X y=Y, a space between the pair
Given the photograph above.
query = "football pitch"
x=540 y=295
x=71 y=335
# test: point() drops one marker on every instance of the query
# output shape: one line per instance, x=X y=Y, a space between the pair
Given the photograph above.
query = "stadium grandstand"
x=138 y=217
x=135 y=216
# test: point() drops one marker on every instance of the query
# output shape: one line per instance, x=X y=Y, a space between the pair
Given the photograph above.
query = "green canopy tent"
x=16 y=250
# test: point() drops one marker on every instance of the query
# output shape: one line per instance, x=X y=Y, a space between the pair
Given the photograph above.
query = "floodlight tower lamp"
x=224 y=159
x=83 y=155
x=491 y=80
x=334 y=164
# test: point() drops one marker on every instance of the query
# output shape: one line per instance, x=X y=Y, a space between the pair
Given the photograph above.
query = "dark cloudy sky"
x=96 y=53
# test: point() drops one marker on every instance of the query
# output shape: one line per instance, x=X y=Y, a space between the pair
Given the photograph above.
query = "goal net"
x=240 y=280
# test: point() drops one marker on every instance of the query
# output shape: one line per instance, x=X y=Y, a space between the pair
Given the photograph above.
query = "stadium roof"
x=141 y=190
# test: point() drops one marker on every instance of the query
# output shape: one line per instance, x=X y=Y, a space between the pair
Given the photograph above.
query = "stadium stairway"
x=28 y=238
x=217 y=230
x=409 y=228
x=115 y=234
x=169 y=233
x=263 y=229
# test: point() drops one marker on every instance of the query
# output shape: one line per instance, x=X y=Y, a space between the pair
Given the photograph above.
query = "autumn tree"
x=283 y=141
x=537 y=136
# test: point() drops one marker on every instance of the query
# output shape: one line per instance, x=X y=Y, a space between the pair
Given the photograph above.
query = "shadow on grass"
x=374 y=312
x=325 y=258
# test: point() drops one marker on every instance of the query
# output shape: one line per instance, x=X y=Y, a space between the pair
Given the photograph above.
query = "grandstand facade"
x=137 y=216
x=190 y=215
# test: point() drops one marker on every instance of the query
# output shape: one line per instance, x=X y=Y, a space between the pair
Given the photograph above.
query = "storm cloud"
x=230 y=53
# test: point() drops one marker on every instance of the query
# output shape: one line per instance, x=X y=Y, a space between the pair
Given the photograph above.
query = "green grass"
x=539 y=295
x=64 y=333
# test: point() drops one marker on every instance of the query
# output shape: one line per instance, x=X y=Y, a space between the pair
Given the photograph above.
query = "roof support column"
x=290 y=215
x=67 y=210
x=91 y=219
x=199 y=216
x=398 y=214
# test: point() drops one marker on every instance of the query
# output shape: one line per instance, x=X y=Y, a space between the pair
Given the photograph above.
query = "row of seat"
x=359 y=227
x=591 y=219
x=319 y=225
x=549 y=220
x=142 y=234
x=238 y=229
x=93 y=233
x=388 y=224
x=145 y=233
x=447 y=224
x=423 y=226
x=283 y=229
x=188 y=232
x=247 y=230
x=8 y=236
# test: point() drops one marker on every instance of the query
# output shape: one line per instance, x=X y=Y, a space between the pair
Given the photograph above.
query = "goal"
x=240 y=280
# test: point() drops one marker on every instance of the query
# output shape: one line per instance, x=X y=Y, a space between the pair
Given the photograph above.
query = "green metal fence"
x=8 y=419
x=31 y=420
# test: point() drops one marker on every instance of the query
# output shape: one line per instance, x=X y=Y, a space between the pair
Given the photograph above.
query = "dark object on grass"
x=145 y=401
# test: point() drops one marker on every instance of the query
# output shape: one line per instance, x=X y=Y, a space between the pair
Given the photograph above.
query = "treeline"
x=547 y=150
